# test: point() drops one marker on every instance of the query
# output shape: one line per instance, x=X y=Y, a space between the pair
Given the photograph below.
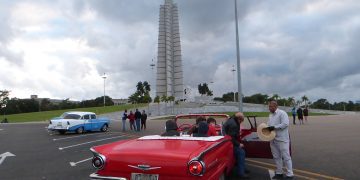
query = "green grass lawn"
x=47 y=115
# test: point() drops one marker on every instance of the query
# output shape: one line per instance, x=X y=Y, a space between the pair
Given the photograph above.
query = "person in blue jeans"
x=123 y=118
x=293 y=112
x=137 y=119
x=232 y=128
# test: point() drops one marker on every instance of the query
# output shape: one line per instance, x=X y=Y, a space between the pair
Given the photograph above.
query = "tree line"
x=291 y=101
x=16 y=105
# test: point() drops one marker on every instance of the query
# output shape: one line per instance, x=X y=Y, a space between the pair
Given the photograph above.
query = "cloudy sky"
x=60 y=49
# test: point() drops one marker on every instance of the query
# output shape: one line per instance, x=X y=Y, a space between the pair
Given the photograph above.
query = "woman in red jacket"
x=212 y=123
x=131 y=118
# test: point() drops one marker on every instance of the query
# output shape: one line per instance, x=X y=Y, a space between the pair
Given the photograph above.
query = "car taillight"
x=98 y=162
x=196 y=167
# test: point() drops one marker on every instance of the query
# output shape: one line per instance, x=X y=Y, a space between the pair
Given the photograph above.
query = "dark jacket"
x=203 y=128
x=137 y=115
x=232 y=128
x=171 y=129
x=143 y=117
x=306 y=112
x=300 y=112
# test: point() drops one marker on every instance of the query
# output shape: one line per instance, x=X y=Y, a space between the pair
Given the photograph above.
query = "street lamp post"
x=238 y=59
x=152 y=65
x=104 y=77
x=233 y=70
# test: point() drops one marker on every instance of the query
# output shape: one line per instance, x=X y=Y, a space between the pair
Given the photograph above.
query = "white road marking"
x=62 y=148
x=75 y=163
x=74 y=137
x=4 y=155
x=271 y=173
x=1 y=129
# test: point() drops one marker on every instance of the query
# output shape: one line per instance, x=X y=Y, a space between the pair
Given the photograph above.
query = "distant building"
x=53 y=101
x=120 y=101
x=169 y=78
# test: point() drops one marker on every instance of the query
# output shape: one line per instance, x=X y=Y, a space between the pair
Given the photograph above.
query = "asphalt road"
x=326 y=148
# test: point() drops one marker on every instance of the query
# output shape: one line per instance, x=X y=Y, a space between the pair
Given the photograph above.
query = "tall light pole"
x=238 y=60
x=152 y=65
x=104 y=77
x=233 y=70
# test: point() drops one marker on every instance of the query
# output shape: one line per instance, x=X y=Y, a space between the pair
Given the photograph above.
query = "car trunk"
x=171 y=156
x=59 y=123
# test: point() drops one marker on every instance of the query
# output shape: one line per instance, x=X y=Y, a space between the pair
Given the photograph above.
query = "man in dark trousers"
x=137 y=119
x=300 y=115
x=143 y=120
x=232 y=128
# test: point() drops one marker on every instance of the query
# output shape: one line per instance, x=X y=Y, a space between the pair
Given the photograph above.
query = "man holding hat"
x=279 y=122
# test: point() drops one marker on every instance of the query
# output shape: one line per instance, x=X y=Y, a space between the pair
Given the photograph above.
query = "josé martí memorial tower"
x=169 y=76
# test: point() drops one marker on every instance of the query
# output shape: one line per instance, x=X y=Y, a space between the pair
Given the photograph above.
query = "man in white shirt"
x=279 y=122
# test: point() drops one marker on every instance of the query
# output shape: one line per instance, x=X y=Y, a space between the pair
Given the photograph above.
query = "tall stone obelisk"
x=169 y=76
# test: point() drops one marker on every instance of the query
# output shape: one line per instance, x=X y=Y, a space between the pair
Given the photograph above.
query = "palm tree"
x=291 y=101
x=275 y=97
x=140 y=87
x=146 y=86
x=305 y=99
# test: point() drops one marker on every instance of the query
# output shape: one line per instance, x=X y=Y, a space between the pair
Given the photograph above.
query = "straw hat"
x=265 y=134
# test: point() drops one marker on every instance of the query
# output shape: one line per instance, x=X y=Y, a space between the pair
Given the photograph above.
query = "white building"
x=169 y=78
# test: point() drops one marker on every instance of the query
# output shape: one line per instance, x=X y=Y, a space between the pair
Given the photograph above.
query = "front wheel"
x=62 y=131
x=80 y=130
x=104 y=128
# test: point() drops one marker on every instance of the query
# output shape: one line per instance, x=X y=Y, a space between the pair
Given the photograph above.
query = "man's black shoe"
x=277 y=176
x=289 y=177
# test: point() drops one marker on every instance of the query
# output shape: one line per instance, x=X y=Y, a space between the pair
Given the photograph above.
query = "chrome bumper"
x=96 y=176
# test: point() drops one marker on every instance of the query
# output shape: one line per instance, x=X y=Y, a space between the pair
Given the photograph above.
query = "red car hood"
x=171 y=155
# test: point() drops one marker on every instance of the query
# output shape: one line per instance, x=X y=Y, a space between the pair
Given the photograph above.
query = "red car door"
x=253 y=145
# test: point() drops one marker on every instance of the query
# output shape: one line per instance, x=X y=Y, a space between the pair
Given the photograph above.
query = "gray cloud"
x=286 y=47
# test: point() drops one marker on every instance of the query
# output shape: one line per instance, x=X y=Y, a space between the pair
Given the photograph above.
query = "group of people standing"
x=301 y=113
x=137 y=120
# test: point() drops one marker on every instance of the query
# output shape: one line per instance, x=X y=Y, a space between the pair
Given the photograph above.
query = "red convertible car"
x=175 y=157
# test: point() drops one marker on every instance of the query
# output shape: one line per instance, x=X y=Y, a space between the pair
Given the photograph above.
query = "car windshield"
x=71 y=116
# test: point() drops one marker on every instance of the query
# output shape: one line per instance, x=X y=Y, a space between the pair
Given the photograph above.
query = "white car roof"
x=81 y=113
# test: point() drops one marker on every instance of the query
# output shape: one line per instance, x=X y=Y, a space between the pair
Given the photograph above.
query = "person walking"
x=123 y=118
x=143 y=120
x=300 y=115
x=137 y=119
x=306 y=114
x=280 y=145
x=293 y=112
x=131 y=118
x=232 y=128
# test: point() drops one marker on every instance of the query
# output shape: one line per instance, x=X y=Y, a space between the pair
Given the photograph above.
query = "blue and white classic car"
x=78 y=122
